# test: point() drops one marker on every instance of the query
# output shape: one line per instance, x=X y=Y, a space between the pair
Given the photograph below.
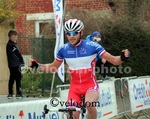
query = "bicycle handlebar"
x=68 y=109
x=60 y=110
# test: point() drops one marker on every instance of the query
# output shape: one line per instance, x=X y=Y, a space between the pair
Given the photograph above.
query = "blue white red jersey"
x=90 y=38
x=81 y=58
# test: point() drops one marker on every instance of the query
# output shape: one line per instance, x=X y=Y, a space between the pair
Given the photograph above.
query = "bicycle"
x=82 y=110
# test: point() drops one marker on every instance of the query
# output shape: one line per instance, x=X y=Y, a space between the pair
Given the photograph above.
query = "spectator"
x=102 y=66
x=15 y=61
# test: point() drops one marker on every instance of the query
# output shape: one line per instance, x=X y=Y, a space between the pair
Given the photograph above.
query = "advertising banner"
x=139 y=92
x=28 y=110
x=58 y=17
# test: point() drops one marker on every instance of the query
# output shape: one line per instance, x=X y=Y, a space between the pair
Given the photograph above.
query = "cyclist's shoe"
x=10 y=96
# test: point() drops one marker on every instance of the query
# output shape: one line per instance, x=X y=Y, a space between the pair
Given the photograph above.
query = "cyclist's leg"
x=74 y=100
x=91 y=96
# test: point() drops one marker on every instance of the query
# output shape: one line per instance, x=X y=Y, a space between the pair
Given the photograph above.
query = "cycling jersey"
x=90 y=38
x=81 y=61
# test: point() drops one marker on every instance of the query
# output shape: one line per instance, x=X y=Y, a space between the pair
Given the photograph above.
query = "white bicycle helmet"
x=73 y=25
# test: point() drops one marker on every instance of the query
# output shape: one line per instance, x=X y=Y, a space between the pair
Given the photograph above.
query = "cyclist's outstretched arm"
x=116 y=60
x=51 y=67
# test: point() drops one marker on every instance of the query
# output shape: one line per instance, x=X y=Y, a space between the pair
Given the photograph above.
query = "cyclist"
x=80 y=56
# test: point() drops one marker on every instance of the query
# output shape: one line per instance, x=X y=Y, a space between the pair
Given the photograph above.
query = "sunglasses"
x=72 y=33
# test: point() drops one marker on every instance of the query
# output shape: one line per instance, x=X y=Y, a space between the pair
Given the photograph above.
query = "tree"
x=7 y=11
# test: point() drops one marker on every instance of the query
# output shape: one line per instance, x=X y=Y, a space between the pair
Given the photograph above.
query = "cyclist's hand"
x=33 y=63
x=125 y=54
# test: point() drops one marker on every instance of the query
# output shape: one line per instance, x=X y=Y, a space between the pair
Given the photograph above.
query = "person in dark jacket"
x=15 y=61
